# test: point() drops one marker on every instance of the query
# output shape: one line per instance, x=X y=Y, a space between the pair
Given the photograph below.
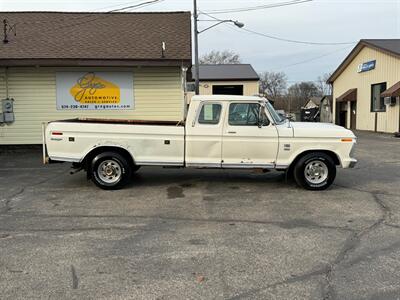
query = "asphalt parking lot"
x=200 y=234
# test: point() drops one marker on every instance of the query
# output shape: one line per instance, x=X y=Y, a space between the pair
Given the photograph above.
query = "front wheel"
x=110 y=170
x=315 y=171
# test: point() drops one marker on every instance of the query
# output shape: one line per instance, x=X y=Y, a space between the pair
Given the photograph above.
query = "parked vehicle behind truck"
x=228 y=132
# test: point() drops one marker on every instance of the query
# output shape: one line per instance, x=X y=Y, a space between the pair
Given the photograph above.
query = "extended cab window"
x=210 y=113
x=245 y=114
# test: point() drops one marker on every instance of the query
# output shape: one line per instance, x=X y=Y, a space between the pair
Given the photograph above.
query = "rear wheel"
x=315 y=171
x=110 y=170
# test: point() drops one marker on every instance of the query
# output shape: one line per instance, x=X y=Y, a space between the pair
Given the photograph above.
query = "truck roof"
x=226 y=98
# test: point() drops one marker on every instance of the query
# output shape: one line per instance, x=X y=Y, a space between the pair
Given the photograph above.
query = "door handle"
x=232 y=132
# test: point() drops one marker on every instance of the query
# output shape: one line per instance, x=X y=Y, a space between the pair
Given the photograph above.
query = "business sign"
x=367 y=66
x=94 y=90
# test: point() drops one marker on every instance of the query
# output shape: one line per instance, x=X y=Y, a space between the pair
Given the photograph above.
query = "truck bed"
x=148 y=142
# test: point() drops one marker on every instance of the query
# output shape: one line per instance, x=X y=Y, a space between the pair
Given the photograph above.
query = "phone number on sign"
x=96 y=106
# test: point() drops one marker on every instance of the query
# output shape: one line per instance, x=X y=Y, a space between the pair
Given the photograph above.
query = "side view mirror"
x=289 y=117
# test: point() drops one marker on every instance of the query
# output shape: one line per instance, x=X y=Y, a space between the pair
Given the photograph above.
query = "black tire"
x=115 y=163
x=308 y=179
x=135 y=168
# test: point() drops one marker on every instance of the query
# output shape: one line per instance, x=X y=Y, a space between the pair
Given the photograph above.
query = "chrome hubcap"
x=316 y=172
x=109 y=171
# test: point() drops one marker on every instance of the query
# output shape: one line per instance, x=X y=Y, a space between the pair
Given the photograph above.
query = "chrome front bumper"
x=348 y=163
x=352 y=163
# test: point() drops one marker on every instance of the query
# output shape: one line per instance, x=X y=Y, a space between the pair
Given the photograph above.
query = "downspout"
x=398 y=98
x=7 y=95
x=6 y=81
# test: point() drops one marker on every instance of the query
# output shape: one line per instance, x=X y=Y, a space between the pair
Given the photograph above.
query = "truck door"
x=204 y=136
x=249 y=139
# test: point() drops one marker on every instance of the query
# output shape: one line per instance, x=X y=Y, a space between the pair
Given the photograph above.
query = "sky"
x=338 y=23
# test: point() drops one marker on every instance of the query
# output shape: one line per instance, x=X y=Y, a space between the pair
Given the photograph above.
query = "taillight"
x=56 y=133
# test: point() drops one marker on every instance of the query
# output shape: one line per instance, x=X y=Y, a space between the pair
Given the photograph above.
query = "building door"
x=353 y=118
x=227 y=90
x=341 y=116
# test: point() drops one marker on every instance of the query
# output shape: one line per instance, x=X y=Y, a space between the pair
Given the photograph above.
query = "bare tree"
x=299 y=93
x=273 y=84
x=220 y=57
x=323 y=87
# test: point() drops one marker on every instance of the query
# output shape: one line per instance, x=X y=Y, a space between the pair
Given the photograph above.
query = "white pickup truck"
x=219 y=132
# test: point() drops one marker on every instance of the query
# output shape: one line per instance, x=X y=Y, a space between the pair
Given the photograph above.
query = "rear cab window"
x=210 y=113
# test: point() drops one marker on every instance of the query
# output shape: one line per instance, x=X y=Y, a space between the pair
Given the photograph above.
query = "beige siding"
x=387 y=70
x=250 y=88
x=158 y=95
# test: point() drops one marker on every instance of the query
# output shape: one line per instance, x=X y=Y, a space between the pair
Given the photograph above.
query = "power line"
x=258 y=7
x=280 y=38
x=135 y=6
x=295 y=41
x=312 y=59
x=108 y=13
x=84 y=15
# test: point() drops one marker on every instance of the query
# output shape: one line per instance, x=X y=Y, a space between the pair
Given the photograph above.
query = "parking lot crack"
x=352 y=242
x=366 y=191
x=75 y=279
x=293 y=279
x=7 y=200
x=21 y=190
x=293 y=224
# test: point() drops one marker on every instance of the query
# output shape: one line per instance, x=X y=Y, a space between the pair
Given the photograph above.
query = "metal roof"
x=349 y=95
x=227 y=72
x=391 y=45
x=388 y=46
x=393 y=91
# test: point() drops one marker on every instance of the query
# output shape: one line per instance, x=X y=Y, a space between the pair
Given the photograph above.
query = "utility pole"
x=196 y=41
x=196 y=49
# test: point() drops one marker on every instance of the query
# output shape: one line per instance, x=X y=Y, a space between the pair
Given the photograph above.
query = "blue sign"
x=367 y=66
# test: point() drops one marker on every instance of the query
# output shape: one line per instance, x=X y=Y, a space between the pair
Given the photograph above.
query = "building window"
x=190 y=87
x=378 y=102
x=227 y=90
x=210 y=113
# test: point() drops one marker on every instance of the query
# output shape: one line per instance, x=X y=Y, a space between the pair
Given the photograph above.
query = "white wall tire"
x=110 y=170
x=315 y=171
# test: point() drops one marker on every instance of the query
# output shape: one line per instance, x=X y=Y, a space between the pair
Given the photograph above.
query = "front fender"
x=291 y=149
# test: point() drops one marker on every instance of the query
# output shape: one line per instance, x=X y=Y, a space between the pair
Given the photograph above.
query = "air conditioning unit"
x=390 y=101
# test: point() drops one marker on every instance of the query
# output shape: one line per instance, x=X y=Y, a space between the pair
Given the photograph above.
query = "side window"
x=245 y=114
x=210 y=113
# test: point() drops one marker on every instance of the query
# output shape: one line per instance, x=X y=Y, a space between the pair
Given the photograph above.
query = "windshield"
x=277 y=118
